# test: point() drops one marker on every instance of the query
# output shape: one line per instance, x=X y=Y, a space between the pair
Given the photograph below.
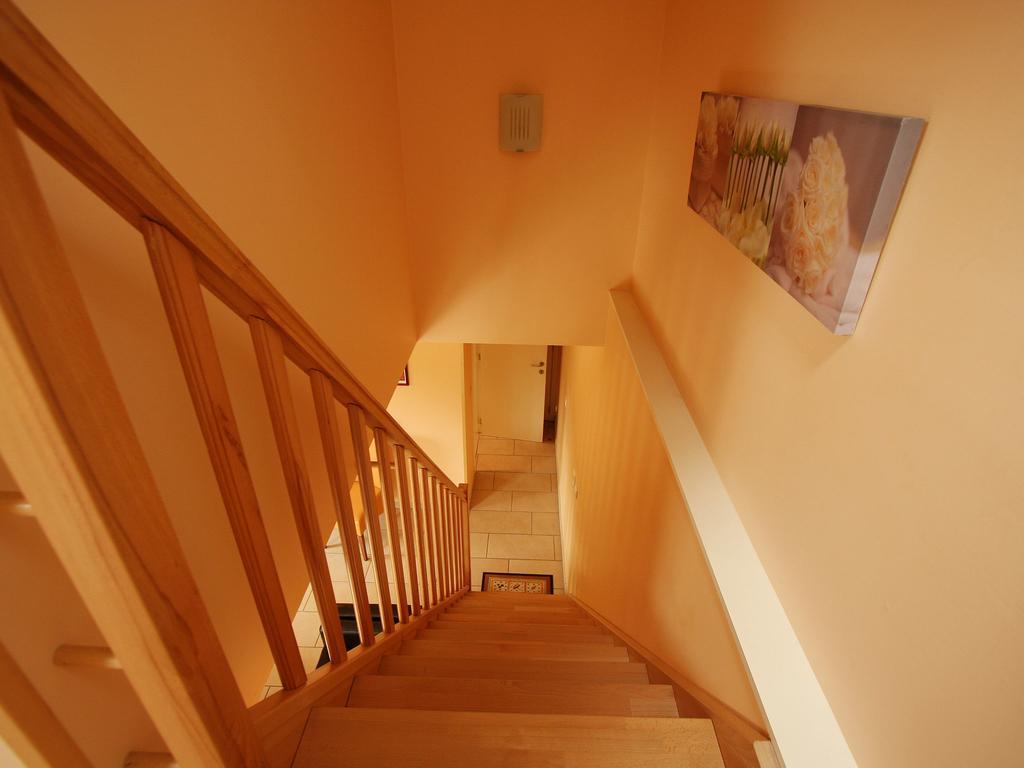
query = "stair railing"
x=71 y=445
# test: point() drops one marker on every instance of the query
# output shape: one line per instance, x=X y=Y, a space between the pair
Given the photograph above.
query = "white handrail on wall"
x=802 y=725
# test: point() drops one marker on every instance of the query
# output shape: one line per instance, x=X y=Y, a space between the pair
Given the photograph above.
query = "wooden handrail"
x=68 y=440
x=53 y=105
x=84 y=463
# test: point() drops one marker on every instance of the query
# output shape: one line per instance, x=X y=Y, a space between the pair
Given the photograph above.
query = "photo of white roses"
x=802 y=192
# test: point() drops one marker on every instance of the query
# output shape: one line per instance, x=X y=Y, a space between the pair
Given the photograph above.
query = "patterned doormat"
x=531 y=583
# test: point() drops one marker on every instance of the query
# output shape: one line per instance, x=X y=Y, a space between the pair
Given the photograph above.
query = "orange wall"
x=281 y=120
x=431 y=408
x=306 y=179
x=630 y=550
x=877 y=475
x=520 y=249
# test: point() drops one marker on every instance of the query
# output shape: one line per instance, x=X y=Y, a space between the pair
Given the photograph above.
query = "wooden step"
x=528 y=617
x=488 y=607
x=513 y=597
x=369 y=738
x=515 y=669
x=515 y=650
x=472 y=633
x=522 y=627
x=537 y=696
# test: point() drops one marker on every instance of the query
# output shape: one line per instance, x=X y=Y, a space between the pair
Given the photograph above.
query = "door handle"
x=537 y=365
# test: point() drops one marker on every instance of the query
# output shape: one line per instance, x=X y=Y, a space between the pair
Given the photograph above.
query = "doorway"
x=517 y=390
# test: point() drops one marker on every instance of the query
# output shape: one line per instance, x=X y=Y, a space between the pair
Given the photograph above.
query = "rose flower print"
x=814 y=219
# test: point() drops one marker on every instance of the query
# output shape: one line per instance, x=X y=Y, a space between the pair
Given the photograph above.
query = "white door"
x=510 y=390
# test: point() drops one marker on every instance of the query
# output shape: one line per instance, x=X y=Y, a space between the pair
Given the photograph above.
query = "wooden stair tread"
x=464 y=606
x=498 y=695
x=517 y=649
x=520 y=596
x=473 y=633
x=515 y=669
x=358 y=738
x=529 y=617
x=516 y=626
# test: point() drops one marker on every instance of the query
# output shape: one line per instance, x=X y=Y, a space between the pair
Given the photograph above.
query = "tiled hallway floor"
x=513 y=519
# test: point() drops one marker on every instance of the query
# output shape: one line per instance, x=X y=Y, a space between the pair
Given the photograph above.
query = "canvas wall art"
x=806 y=193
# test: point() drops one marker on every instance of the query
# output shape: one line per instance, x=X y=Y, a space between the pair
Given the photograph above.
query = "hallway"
x=513 y=519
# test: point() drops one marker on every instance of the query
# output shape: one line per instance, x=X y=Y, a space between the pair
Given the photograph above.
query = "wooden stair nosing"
x=516 y=626
x=515 y=669
x=515 y=649
x=525 y=617
x=504 y=636
x=520 y=596
x=568 y=610
x=523 y=696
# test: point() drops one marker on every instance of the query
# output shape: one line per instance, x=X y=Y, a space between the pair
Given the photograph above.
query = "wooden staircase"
x=508 y=680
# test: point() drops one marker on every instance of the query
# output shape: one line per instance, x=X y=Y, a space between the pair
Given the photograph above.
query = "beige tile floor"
x=513 y=523
x=513 y=519
x=306 y=623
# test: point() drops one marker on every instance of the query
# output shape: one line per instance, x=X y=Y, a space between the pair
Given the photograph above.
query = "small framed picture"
x=403 y=380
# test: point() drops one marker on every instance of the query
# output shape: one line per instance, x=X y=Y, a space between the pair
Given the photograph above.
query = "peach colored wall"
x=305 y=178
x=431 y=408
x=281 y=120
x=630 y=550
x=878 y=475
x=521 y=248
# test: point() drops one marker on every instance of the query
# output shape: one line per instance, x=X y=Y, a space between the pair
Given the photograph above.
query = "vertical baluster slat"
x=467 y=558
x=330 y=436
x=428 y=508
x=421 y=535
x=387 y=486
x=183 y=302
x=460 y=570
x=357 y=422
x=402 y=470
x=450 y=539
x=270 y=358
x=438 y=491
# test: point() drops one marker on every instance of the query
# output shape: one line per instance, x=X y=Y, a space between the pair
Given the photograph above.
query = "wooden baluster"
x=330 y=436
x=460 y=570
x=68 y=440
x=183 y=302
x=270 y=358
x=457 y=517
x=428 y=515
x=442 y=582
x=467 y=562
x=387 y=487
x=421 y=535
x=357 y=423
x=449 y=538
x=402 y=467
x=450 y=522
